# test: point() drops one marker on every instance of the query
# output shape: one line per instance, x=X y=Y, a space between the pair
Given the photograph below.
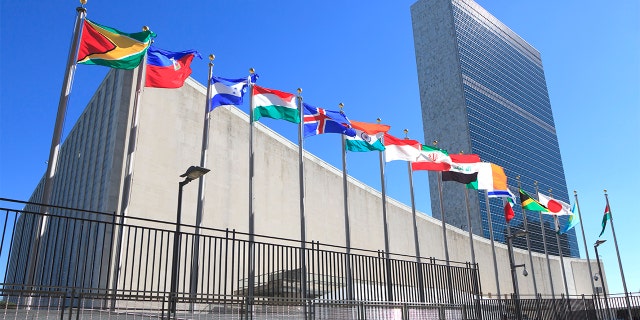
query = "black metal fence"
x=76 y=261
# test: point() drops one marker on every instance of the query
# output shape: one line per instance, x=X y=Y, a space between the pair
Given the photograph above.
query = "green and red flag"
x=274 y=104
x=607 y=216
x=106 y=46
x=508 y=209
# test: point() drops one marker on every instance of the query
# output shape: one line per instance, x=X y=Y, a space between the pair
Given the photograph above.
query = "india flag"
x=274 y=104
x=368 y=137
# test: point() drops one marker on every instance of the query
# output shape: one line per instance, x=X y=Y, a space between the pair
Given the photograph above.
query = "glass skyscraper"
x=483 y=91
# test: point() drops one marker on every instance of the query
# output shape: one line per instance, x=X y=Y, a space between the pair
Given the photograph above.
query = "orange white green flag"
x=109 y=47
x=368 y=137
x=491 y=177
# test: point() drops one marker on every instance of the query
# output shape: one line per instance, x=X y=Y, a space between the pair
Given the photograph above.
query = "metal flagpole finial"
x=83 y=2
x=212 y=57
x=145 y=28
x=406 y=133
x=435 y=142
x=252 y=71
x=299 y=91
x=379 y=120
x=575 y=192
x=341 y=105
x=518 y=177
x=605 y=191
x=535 y=183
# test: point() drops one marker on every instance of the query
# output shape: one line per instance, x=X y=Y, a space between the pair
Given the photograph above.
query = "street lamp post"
x=514 y=266
x=192 y=173
x=604 y=290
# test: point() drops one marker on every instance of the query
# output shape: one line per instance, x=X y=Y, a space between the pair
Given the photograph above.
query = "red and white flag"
x=556 y=207
x=400 y=149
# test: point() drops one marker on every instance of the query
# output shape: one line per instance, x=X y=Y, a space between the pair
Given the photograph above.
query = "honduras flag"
x=319 y=121
x=228 y=91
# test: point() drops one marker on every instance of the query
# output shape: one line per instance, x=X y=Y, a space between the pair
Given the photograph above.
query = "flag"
x=319 y=121
x=572 y=222
x=105 y=46
x=464 y=168
x=274 y=104
x=607 y=216
x=432 y=159
x=508 y=209
x=529 y=203
x=167 y=69
x=491 y=177
x=226 y=92
x=555 y=206
x=368 y=137
x=400 y=149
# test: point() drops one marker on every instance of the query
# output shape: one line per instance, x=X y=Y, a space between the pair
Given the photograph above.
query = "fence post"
x=71 y=298
x=539 y=305
x=405 y=312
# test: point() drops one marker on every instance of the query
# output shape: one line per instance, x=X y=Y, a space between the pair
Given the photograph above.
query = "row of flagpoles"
x=101 y=45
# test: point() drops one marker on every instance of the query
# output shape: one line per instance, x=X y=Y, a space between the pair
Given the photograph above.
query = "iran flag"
x=556 y=207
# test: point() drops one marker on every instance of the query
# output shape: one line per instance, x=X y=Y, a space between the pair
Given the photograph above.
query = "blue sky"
x=363 y=56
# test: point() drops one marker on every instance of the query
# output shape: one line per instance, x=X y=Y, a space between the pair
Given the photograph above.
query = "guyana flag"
x=105 y=46
x=529 y=203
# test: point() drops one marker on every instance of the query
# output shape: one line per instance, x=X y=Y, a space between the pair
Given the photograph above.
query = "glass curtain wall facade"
x=483 y=91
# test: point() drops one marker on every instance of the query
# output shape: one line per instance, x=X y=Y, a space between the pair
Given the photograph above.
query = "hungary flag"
x=274 y=104
x=368 y=137
x=105 y=46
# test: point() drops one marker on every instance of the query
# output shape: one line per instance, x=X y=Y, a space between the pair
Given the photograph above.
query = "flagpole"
x=386 y=227
x=347 y=228
x=415 y=231
x=544 y=243
x=473 y=252
x=251 y=259
x=303 y=241
x=203 y=163
x=493 y=246
x=126 y=186
x=564 y=274
x=615 y=241
x=466 y=198
x=584 y=240
x=47 y=189
x=526 y=229
x=444 y=232
x=512 y=264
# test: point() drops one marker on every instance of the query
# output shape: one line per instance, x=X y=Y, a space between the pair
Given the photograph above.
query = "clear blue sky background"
x=361 y=54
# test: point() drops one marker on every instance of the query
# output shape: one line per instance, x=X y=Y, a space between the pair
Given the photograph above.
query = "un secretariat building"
x=483 y=91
